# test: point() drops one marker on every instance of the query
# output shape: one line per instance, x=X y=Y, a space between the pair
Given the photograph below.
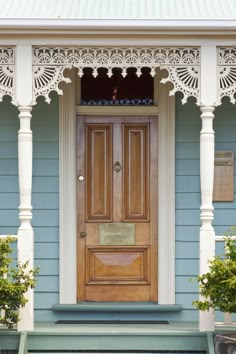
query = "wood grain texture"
x=153 y=207
x=136 y=172
x=113 y=271
x=81 y=243
x=124 y=292
x=98 y=172
x=124 y=265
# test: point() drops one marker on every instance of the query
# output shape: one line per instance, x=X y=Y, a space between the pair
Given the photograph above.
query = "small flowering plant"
x=14 y=282
x=218 y=285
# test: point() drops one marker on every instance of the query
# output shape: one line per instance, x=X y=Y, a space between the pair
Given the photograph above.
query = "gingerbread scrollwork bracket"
x=227 y=74
x=7 y=66
x=182 y=65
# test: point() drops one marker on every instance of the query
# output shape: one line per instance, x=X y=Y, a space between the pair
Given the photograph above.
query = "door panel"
x=117 y=216
x=136 y=172
x=98 y=172
x=122 y=265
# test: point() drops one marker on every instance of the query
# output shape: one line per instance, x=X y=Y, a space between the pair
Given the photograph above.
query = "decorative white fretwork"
x=182 y=65
x=7 y=62
x=227 y=73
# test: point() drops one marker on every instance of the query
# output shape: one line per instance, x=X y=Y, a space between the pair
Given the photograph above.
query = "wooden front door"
x=117 y=208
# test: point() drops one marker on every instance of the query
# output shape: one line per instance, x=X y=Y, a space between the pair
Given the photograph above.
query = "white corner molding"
x=182 y=65
x=166 y=193
x=67 y=192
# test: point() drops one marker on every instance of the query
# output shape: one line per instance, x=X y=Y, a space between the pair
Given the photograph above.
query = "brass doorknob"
x=83 y=234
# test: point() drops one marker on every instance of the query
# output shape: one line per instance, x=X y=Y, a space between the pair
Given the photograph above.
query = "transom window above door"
x=117 y=90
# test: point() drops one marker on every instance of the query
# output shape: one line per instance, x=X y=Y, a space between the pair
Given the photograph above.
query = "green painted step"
x=114 y=341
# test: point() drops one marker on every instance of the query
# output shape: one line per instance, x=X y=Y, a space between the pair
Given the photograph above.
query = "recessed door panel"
x=98 y=172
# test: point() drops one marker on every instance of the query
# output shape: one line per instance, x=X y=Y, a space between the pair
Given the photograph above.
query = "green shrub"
x=13 y=288
x=218 y=285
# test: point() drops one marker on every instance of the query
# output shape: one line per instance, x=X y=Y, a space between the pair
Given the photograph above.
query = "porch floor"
x=51 y=337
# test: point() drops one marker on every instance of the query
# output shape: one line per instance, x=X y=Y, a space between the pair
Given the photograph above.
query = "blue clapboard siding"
x=225 y=134
x=9 y=190
x=187 y=203
x=188 y=126
x=45 y=198
x=45 y=201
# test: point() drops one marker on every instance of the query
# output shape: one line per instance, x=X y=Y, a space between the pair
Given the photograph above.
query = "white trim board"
x=166 y=192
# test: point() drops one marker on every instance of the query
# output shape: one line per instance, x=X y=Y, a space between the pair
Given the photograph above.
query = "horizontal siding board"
x=188 y=200
x=187 y=151
x=41 y=134
x=229 y=118
x=189 y=184
x=187 y=250
x=189 y=117
x=9 y=184
x=46 y=150
x=9 y=201
x=228 y=146
x=187 y=233
x=45 y=201
x=225 y=205
x=186 y=300
x=187 y=167
x=224 y=134
x=46 y=300
x=45 y=167
x=187 y=135
x=9 y=218
x=47 y=266
x=187 y=217
x=186 y=284
x=7 y=133
x=46 y=234
x=8 y=167
x=9 y=230
x=220 y=248
x=8 y=150
x=46 y=251
x=47 y=284
x=45 y=218
x=224 y=217
x=189 y=267
x=45 y=184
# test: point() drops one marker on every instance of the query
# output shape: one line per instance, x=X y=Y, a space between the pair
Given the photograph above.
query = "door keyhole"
x=117 y=166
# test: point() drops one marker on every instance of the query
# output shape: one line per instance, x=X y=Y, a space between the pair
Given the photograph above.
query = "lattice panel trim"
x=182 y=65
x=227 y=73
x=7 y=64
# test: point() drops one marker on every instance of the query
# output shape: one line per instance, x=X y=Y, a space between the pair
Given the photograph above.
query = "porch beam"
x=25 y=231
x=208 y=99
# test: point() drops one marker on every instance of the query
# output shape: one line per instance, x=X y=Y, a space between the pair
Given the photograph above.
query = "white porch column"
x=25 y=232
x=207 y=151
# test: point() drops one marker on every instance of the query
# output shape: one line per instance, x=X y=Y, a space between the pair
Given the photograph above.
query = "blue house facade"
x=117 y=144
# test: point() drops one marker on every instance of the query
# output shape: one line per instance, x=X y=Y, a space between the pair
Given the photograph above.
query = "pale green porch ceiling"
x=118 y=9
